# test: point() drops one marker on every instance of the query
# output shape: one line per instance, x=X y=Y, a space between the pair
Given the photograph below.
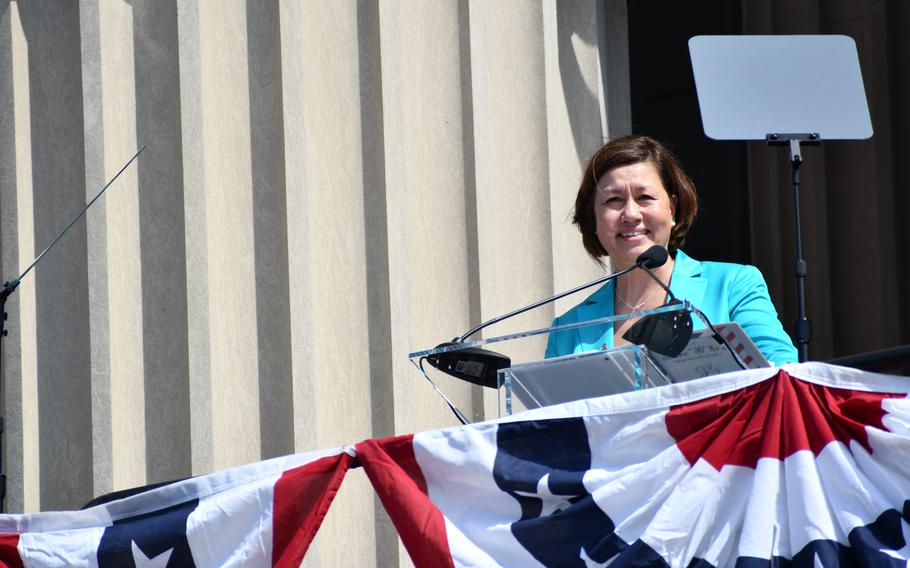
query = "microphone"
x=481 y=367
x=654 y=257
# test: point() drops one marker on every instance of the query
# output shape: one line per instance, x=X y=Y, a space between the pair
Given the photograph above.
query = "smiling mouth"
x=633 y=234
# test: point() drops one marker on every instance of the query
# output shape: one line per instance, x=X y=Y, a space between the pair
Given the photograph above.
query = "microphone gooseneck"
x=654 y=257
x=539 y=303
x=480 y=366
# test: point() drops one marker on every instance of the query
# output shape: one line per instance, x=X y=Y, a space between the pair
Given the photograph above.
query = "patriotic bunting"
x=808 y=465
x=805 y=465
x=263 y=514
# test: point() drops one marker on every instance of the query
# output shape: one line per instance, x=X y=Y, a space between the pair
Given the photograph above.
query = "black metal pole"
x=4 y=294
x=8 y=288
x=803 y=325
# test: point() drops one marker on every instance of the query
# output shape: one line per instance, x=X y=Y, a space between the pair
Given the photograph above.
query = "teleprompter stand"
x=786 y=90
x=803 y=327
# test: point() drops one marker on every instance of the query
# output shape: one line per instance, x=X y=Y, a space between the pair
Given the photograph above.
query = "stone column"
x=577 y=121
x=162 y=241
x=118 y=405
x=511 y=150
x=329 y=183
x=220 y=252
x=56 y=156
x=17 y=234
x=429 y=181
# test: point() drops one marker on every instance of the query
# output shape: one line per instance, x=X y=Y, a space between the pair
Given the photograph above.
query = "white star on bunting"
x=550 y=503
x=143 y=561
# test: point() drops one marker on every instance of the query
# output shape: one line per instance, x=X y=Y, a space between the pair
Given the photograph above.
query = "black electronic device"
x=477 y=366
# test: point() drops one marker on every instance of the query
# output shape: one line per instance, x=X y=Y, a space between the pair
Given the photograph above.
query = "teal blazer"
x=722 y=290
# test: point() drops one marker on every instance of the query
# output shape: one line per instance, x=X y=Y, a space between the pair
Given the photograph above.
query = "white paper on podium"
x=704 y=356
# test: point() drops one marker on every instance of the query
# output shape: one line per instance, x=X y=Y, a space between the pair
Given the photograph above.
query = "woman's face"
x=633 y=212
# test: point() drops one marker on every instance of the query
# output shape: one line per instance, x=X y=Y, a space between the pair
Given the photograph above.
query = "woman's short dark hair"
x=623 y=152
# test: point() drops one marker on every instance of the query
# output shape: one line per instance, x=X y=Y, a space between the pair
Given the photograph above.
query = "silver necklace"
x=636 y=307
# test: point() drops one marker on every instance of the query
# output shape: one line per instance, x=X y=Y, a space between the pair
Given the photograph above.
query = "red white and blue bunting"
x=805 y=465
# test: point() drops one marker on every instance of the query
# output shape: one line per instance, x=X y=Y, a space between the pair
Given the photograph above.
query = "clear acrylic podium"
x=532 y=381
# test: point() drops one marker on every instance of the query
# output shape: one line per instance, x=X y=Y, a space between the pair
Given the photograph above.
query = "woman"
x=635 y=194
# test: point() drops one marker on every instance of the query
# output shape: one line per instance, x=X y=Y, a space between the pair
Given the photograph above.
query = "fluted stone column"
x=218 y=209
x=115 y=275
x=326 y=187
x=511 y=142
x=327 y=184
x=163 y=243
x=429 y=185
x=61 y=295
x=267 y=146
x=19 y=354
x=577 y=124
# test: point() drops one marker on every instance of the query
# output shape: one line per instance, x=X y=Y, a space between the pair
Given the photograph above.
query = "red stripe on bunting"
x=774 y=419
x=302 y=498
x=396 y=476
x=9 y=551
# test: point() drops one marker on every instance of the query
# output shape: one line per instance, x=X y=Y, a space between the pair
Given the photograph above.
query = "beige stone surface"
x=326 y=222
x=20 y=385
x=327 y=187
x=426 y=187
x=54 y=115
x=163 y=247
x=115 y=279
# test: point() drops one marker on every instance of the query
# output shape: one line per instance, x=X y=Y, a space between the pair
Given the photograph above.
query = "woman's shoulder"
x=597 y=297
x=713 y=268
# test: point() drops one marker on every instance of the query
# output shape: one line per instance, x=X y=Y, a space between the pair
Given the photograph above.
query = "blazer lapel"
x=598 y=305
x=687 y=282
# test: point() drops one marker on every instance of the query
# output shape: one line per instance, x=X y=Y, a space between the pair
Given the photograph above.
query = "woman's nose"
x=630 y=210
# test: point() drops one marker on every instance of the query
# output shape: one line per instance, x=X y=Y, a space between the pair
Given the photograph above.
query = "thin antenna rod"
x=10 y=286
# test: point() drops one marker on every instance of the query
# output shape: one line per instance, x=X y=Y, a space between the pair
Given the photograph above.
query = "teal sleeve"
x=563 y=342
x=553 y=342
x=751 y=308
